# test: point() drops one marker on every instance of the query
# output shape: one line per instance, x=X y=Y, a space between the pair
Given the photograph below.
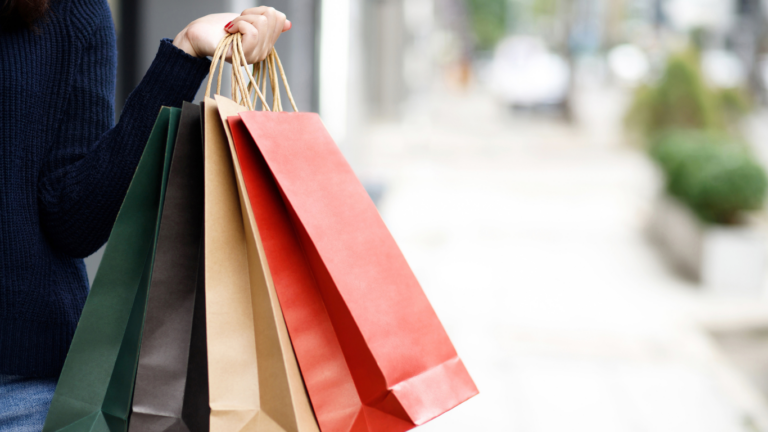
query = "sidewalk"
x=527 y=235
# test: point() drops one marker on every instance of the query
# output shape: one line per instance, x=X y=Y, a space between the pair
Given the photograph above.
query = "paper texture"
x=249 y=371
x=232 y=370
x=283 y=397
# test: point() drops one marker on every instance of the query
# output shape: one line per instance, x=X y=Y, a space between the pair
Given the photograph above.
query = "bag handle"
x=276 y=60
x=270 y=66
x=231 y=42
x=241 y=93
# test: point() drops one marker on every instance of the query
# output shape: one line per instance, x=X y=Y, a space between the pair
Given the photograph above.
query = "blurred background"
x=579 y=185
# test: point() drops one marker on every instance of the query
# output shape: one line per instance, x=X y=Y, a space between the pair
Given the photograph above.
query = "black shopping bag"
x=171 y=372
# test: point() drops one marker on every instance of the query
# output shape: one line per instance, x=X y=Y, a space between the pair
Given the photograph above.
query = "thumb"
x=287 y=26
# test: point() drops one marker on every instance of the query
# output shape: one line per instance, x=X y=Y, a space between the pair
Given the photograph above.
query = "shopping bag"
x=96 y=385
x=373 y=354
x=251 y=383
x=251 y=386
x=231 y=346
x=161 y=377
x=282 y=396
x=195 y=410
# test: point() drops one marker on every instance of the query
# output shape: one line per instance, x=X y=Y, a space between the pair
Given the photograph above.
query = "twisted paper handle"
x=233 y=42
x=241 y=93
x=270 y=66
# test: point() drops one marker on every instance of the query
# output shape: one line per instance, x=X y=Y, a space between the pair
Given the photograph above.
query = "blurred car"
x=628 y=63
x=525 y=73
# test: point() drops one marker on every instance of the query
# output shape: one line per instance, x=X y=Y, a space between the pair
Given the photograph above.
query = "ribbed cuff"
x=33 y=348
x=173 y=77
x=186 y=72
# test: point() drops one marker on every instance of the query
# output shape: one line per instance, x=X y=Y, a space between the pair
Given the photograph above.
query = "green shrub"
x=713 y=174
x=682 y=99
x=733 y=103
x=488 y=20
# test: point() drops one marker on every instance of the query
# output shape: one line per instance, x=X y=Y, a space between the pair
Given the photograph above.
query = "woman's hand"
x=260 y=26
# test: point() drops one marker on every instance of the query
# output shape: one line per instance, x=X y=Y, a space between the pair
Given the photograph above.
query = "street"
x=527 y=234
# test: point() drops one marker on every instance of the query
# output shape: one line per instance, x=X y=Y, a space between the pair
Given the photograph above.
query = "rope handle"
x=270 y=66
x=241 y=92
x=233 y=42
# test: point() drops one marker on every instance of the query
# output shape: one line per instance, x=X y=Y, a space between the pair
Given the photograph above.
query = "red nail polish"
x=229 y=24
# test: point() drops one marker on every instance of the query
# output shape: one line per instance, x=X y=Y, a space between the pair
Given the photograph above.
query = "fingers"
x=261 y=27
x=259 y=10
x=268 y=35
x=250 y=34
x=255 y=30
x=270 y=13
x=279 y=25
x=276 y=26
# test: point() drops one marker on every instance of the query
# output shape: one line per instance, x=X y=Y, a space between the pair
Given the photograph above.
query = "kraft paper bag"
x=283 y=397
x=231 y=346
x=162 y=388
x=254 y=383
x=373 y=354
x=96 y=385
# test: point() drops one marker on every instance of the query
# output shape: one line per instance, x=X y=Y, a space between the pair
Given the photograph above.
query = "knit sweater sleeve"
x=89 y=168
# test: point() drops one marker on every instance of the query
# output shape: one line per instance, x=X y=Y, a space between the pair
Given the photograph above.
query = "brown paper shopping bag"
x=254 y=380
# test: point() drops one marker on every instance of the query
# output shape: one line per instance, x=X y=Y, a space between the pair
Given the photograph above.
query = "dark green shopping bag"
x=96 y=385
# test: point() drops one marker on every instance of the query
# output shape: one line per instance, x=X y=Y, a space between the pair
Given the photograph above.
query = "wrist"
x=182 y=42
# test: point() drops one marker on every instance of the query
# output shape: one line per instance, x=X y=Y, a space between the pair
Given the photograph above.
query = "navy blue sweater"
x=64 y=168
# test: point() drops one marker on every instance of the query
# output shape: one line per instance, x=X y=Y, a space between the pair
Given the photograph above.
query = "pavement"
x=527 y=234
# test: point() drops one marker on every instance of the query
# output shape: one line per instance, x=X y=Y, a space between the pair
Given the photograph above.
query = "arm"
x=88 y=170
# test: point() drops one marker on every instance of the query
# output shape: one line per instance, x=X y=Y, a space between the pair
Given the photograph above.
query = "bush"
x=714 y=175
x=488 y=20
x=681 y=99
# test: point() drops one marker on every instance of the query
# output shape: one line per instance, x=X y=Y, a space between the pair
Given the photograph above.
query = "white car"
x=524 y=73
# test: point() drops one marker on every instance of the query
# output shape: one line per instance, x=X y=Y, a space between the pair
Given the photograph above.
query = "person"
x=65 y=167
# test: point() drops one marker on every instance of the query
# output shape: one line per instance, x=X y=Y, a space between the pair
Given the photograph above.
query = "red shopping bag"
x=373 y=354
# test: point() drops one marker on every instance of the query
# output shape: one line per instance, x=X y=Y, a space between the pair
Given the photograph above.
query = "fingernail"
x=229 y=24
